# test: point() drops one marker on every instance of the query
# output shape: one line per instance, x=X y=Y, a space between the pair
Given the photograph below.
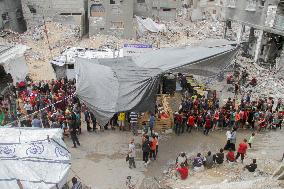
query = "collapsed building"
x=265 y=20
x=165 y=10
x=116 y=16
x=71 y=12
x=11 y=16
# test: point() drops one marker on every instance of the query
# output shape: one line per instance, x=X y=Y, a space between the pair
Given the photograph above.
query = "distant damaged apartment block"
x=11 y=16
x=114 y=17
x=70 y=12
x=158 y=9
x=265 y=18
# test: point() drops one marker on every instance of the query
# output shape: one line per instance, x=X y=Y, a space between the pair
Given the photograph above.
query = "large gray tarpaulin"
x=108 y=86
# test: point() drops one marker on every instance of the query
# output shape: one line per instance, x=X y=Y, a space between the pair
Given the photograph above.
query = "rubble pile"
x=180 y=34
x=269 y=82
x=226 y=174
x=45 y=41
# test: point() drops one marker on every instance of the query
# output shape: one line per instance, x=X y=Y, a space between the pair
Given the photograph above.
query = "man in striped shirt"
x=133 y=121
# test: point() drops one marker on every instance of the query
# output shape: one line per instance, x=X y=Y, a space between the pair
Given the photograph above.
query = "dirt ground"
x=100 y=160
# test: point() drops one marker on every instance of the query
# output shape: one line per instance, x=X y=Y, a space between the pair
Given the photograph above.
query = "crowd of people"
x=199 y=162
x=207 y=114
x=52 y=104
x=44 y=104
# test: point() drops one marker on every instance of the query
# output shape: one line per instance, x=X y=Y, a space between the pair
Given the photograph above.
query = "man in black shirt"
x=146 y=150
x=94 y=121
x=73 y=131
x=219 y=157
x=251 y=167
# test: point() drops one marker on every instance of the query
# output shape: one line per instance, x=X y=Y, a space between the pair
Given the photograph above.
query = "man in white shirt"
x=28 y=108
x=228 y=135
x=132 y=154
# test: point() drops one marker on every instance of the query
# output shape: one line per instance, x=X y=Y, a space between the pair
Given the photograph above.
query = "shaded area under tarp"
x=108 y=86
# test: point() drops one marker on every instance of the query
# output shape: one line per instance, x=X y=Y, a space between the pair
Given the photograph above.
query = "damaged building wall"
x=143 y=8
x=11 y=16
x=64 y=11
x=266 y=22
x=114 y=17
x=166 y=9
x=158 y=9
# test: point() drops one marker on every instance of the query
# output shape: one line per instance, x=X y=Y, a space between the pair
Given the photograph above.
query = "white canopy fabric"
x=29 y=157
x=148 y=24
x=13 y=60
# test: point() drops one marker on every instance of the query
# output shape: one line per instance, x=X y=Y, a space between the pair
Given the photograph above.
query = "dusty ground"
x=100 y=161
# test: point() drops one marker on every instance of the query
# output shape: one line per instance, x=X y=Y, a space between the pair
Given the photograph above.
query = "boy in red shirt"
x=182 y=171
x=230 y=156
x=242 y=150
x=153 y=147
x=190 y=123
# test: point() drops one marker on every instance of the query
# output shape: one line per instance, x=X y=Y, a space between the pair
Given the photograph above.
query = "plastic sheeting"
x=28 y=157
x=13 y=61
x=108 y=86
x=148 y=24
x=171 y=58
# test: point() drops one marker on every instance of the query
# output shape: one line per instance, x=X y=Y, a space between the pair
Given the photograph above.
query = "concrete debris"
x=231 y=174
x=178 y=33
x=269 y=82
x=46 y=41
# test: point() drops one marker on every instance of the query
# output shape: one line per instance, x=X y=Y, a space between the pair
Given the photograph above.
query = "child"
x=230 y=156
x=251 y=139
x=157 y=145
x=182 y=172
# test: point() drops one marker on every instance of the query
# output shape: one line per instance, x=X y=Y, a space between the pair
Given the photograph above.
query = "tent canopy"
x=13 y=60
x=108 y=86
x=29 y=157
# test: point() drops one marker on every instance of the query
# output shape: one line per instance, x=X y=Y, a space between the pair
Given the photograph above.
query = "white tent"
x=33 y=158
x=13 y=60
